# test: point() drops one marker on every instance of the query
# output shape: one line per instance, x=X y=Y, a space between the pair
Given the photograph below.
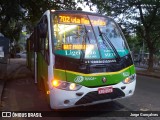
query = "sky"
x=86 y=7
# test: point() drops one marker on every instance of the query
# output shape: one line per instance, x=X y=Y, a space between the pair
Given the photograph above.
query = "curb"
x=2 y=83
x=149 y=75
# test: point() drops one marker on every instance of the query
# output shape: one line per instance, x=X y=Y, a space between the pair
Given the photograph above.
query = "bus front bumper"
x=60 y=99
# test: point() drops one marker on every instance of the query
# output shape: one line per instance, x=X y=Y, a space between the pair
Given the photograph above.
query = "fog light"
x=130 y=91
x=66 y=101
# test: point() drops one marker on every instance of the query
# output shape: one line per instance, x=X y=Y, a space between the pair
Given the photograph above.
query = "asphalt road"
x=21 y=94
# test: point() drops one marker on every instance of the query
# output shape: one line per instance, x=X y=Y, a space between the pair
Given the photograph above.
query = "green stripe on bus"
x=94 y=79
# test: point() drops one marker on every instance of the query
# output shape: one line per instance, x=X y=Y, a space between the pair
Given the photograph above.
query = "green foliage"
x=16 y=13
x=10 y=14
x=36 y=8
x=142 y=16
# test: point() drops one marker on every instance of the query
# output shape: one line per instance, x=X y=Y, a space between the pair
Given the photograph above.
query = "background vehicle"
x=80 y=58
x=21 y=54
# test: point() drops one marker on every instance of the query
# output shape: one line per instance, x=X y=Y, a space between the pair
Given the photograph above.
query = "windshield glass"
x=110 y=39
x=77 y=36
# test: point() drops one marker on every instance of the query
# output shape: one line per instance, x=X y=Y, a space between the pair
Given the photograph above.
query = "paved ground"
x=10 y=69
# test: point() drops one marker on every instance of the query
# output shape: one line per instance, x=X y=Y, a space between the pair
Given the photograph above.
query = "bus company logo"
x=104 y=80
x=90 y=78
x=79 y=79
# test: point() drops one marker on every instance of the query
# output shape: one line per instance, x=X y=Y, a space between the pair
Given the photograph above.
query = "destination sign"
x=81 y=19
x=76 y=46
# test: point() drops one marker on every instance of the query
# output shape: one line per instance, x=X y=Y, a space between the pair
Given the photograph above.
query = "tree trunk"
x=150 y=61
x=151 y=50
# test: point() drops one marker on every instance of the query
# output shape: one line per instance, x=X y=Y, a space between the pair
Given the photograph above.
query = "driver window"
x=44 y=42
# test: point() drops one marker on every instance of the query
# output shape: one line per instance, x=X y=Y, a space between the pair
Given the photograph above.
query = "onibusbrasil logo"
x=79 y=79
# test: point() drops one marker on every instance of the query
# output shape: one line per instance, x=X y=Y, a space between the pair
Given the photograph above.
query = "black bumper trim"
x=94 y=96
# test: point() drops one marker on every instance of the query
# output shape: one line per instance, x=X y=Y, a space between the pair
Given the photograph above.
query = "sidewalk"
x=12 y=66
x=144 y=72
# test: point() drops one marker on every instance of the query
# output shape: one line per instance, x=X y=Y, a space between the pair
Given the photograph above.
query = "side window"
x=46 y=51
x=42 y=45
x=44 y=42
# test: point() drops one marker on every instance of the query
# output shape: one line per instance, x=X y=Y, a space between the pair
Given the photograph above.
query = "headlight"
x=129 y=79
x=65 y=85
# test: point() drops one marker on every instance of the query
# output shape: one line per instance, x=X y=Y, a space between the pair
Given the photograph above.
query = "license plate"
x=105 y=90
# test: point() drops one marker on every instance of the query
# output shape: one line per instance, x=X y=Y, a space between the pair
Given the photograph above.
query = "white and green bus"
x=80 y=58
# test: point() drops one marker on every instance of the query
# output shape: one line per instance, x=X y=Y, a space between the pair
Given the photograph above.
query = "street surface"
x=21 y=94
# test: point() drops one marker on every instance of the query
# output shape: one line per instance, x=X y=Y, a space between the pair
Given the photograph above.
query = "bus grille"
x=94 y=96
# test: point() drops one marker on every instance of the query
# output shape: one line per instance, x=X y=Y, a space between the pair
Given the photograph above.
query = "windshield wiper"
x=106 y=40
x=84 y=42
x=86 y=34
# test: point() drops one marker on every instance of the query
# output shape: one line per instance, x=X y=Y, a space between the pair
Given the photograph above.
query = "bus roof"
x=77 y=12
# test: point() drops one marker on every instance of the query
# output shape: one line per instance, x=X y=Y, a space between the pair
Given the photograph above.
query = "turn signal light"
x=55 y=83
x=48 y=92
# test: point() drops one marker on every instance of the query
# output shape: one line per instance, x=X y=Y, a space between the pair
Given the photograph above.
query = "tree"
x=35 y=9
x=15 y=13
x=141 y=14
x=10 y=16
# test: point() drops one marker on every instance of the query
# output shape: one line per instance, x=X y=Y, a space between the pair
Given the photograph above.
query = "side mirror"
x=42 y=27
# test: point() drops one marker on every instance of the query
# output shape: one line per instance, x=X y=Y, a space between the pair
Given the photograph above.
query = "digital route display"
x=76 y=46
x=81 y=19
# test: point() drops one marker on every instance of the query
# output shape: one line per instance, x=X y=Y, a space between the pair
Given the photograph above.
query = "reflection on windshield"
x=108 y=43
x=68 y=34
x=114 y=35
x=116 y=47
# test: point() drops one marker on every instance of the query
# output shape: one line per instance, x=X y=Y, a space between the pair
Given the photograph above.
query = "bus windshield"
x=87 y=37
